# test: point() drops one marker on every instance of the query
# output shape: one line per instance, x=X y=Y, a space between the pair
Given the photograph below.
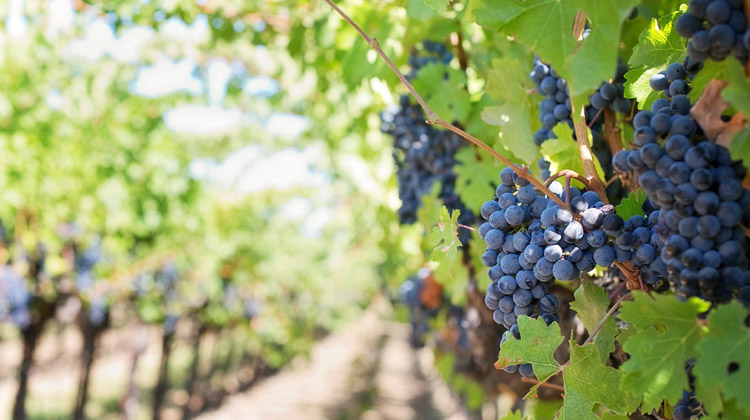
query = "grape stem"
x=467 y=227
x=567 y=173
x=433 y=118
x=543 y=384
x=618 y=290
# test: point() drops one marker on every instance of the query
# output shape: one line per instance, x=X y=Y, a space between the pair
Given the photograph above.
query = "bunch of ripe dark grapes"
x=715 y=28
x=423 y=154
x=696 y=189
x=410 y=293
x=15 y=297
x=556 y=108
x=531 y=242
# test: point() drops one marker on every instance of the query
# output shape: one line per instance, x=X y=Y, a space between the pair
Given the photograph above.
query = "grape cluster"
x=531 y=242
x=611 y=94
x=675 y=82
x=556 y=106
x=715 y=28
x=432 y=53
x=697 y=189
x=410 y=293
x=423 y=156
x=686 y=406
x=14 y=298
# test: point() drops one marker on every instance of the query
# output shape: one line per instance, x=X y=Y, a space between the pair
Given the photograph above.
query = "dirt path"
x=365 y=371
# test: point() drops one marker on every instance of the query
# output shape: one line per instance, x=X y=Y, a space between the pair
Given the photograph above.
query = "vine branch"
x=433 y=118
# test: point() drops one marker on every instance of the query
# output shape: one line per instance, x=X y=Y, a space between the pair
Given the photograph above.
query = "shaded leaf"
x=443 y=88
x=476 y=175
x=631 y=205
x=537 y=346
x=591 y=304
x=589 y=382
x=583 y=64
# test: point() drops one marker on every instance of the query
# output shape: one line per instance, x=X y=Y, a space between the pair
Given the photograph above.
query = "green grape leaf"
x=537 y=346
x=443 y=88
x=583 y=64
x=612 y=416
x=476 y=175
x=540 y=409
x=592 y=303
x=736 y=91
x=724 y=361
x=439 y=5
x=711 y=70
x=736 y=94
x=740 y=146
x=667 y=334
x=427 y=213
x=513 y=415
x=451 y=272
x=589 y=382
x=631 y=205
x=562 y=153
x=509 y=83
x=659 y=44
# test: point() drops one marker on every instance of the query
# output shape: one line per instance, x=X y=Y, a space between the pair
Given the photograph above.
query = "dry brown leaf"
x=707 y=112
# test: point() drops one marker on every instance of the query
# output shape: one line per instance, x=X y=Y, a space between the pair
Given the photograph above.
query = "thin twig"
x=606 y=317
x=630 y=275
x=467 y=227
x=433 y=118
x=593 y=120
x=567 y=189
x=543 y=384
x=568 y=173
x=618 y=290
